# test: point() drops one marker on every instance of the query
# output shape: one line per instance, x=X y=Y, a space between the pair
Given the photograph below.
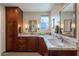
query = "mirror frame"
x=75 y=6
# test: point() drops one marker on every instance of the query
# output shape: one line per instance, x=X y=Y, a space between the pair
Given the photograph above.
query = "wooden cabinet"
x=21 y=44
x=27 y=44
x=62 y=53
x=32 y=44
x=13 y=18
x=11 y=35
x=42 y=49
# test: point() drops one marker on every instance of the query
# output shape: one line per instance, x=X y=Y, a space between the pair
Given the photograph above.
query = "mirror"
x=68 y=20
x=67 y=25
x=32 y=26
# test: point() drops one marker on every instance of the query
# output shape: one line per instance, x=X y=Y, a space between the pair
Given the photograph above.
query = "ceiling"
x=33 y=7
x=69 y=7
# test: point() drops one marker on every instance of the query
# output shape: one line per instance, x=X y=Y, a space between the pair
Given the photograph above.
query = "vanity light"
x=26 y=26
x=62 y=26
x=73 y=28
x=19 y=25
x=38 y=26
x=73 y=25
x=19 y=28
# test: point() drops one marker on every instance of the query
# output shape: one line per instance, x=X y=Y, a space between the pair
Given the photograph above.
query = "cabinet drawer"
x=21 y=42
x=27 y=44
x=22 y=47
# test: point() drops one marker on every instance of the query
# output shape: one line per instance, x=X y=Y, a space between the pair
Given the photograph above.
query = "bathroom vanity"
x=46 y=45
x=31 y=43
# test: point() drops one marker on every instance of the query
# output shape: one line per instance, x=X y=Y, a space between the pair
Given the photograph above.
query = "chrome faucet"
x=60 y=38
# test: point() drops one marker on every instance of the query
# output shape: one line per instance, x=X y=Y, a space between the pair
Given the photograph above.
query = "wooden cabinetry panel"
x=62 y=53
x=27 y=44
x=11 y=35
x=11 y=13
x=22 y=44
x=12 y=19
x=32 y=43
x=42 y=47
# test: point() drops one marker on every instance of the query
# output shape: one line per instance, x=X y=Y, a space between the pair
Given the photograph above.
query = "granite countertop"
x=52 y=43
x=56 y=45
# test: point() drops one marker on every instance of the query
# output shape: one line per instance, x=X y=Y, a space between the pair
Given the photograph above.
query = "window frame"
x=46 y=23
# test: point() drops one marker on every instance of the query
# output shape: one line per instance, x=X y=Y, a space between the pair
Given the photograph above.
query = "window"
x=53 y=23
x=44 y=22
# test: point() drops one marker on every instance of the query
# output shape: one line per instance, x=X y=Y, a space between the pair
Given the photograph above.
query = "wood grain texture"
x=13 y=18
x=27 y=44
x=62 y=53
x=42 y=49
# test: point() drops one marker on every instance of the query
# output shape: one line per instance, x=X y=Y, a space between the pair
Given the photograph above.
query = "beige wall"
x=77 y=23
x=2 y=29
x=33 y=16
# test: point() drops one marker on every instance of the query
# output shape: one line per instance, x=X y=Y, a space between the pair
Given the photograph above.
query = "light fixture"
x=19 y=25
x=73 y=25
x=19 y=28
x=26 y=26
x=38 y=26
x=62 y=26
x=73 y=28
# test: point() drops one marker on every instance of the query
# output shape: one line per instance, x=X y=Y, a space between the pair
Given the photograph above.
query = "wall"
x=33 y=16
x=2 y=29
x=77 y=15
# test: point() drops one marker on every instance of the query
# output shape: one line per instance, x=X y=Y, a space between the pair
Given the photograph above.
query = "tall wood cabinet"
x=13 y=18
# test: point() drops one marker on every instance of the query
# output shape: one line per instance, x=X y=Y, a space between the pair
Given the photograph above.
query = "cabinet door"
x=22 y=44
x=11 y=35
x=13 y=16
x=42 y=47
x=27 y=44
x=11 y=13
x=32 y=44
